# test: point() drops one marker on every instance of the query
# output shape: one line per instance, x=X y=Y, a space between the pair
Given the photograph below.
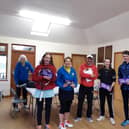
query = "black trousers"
x=24 y=95
x=125 y=94
x=103 y=94
x=48 y=102
x=85 y=91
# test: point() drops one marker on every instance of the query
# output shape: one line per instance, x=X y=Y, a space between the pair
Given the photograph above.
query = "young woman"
x=107 y=78
x=67 y=81
x=44 y=77
x=21 y=75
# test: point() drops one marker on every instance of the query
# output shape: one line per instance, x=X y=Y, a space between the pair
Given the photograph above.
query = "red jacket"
x=38 y=77
x=85 y=75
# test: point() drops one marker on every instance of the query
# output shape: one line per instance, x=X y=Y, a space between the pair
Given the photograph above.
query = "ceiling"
x=83 y=13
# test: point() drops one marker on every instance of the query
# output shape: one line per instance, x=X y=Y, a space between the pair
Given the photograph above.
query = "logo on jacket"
x=46 y=72
x=88 y=71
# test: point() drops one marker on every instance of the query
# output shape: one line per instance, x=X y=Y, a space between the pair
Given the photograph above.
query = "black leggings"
x=65 y=106
x=103 y=93
x=48 y=102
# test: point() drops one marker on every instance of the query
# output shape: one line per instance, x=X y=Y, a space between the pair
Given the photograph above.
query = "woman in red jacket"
x=44 y=77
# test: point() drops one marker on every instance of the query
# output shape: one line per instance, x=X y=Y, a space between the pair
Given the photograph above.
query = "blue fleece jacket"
x=123 y=73
x=63 y=76
x=21 y=73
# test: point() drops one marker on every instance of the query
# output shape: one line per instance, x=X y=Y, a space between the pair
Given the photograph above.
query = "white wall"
x=116 y=28
x=41 y=47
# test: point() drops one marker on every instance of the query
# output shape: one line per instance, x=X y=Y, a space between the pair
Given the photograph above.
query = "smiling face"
x=126 y=58
x=68 y=62
x=47 y=59
x=107 y=63
x=89 y=61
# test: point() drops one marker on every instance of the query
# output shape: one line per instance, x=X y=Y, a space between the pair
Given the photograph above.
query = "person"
x=88 y=73
x=44 y=77
x=21 y=75
x=107 y=77
x=67 y=81
x=123 y=75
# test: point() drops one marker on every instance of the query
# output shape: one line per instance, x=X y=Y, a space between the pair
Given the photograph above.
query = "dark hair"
x=126 y=52
x=68 y=58
x=42 y=60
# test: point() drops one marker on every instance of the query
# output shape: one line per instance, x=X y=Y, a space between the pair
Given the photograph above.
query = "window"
x=3 y=61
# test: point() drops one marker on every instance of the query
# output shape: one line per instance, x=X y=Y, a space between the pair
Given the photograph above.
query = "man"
x=123 y=74
x=88 y=73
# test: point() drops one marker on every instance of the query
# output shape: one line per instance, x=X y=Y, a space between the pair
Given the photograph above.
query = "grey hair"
x=22 y=56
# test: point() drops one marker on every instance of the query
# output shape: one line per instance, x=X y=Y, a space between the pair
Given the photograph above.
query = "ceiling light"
x=40 y=34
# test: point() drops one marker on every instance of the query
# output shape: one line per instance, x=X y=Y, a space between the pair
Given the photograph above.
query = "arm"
x=113 y=78
x=31 y=68
x=75 y=82
x=35 y=76
x=60 y=80
x=16 y=74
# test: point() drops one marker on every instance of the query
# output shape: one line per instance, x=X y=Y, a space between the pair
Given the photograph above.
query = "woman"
x=67 y=81
x=21 y=75
x=107 y=78
x=44 y=77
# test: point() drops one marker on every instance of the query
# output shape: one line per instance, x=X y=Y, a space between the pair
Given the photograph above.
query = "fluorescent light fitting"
x=41 y=26
x=37 y=16
x=39 y=33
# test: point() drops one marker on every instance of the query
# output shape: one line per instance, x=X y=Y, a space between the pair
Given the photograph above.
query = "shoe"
x=125 y=122
x=89 y=119
x=100 y=118
x=47 y=127
x=16 y=109
x=77 y=119
x=112 y=121
x=68 y=124
x=62 y=126
x=26 y=107
x=39 y=127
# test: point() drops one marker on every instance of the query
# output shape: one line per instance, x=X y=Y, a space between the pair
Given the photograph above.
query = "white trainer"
x=100 y=118
x=112 y=121
x=62 y=126
x=68 y=124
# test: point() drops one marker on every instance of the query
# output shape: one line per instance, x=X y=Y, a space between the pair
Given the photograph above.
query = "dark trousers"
x=48 y=102
x=125 y=94
x=24 y=95
x=85 y=91
x=103 y=94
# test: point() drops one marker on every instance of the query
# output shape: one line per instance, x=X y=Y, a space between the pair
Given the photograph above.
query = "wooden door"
x=118 y=59
x=58 y=59
x=77 y=61
x=15 y=55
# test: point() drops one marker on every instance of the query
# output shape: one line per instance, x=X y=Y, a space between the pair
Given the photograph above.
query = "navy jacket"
x=123 y=74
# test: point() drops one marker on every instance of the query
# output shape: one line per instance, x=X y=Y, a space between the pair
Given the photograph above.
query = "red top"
x=38 y=77
x=86 y=72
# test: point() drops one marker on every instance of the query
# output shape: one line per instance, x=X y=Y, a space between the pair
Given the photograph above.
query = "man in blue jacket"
x=123 y=74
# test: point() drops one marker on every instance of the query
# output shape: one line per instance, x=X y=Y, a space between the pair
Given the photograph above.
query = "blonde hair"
x=22 y=56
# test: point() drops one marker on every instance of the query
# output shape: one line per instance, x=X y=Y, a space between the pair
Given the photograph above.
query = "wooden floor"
x=25 y=120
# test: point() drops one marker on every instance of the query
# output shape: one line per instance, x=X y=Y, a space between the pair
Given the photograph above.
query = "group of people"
x=46 y=78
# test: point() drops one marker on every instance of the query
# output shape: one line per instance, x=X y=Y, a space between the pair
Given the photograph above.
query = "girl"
x=67 y=81
x=107 y=78
x=44 y=77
